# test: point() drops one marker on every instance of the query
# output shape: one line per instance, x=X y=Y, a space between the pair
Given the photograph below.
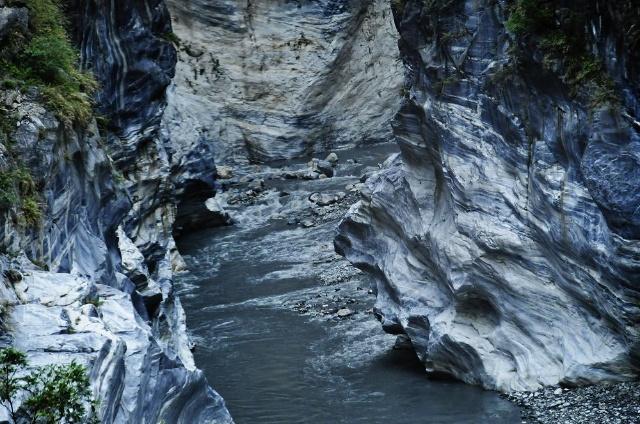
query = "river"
x=261 y=298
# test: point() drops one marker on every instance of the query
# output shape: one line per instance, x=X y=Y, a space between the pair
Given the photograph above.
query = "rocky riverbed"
x=286 y=213
x=284 y=327
x=615 y=404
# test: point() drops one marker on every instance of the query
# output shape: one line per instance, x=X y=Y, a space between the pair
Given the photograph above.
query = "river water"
x=261 y=298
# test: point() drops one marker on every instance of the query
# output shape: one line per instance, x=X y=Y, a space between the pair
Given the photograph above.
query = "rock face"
x=271 y=79
x=503 y=239
x=92 y=281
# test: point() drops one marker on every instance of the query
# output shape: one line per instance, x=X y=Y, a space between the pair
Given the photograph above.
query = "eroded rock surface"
x=90 y=278
x=503 y=239
x=274 y=79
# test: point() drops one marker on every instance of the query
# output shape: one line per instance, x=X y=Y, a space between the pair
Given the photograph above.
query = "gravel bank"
x=611 y=404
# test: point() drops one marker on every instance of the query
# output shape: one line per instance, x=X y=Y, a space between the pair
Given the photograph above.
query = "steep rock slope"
x=91 y=280
x=278 y=79
x=503 y=238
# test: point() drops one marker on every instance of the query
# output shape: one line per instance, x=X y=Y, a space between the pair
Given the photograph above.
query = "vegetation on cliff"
x=41 y=56
x=46 y=58
x=559 y=32
x=53 y=394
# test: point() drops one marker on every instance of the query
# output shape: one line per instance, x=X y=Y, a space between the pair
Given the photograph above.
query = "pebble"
x=614 y=403
x=224 y=172
x=345 y=312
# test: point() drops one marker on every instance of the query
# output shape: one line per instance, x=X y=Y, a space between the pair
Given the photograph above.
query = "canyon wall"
x=91 y=280
x=275 y=79
x=503 y=240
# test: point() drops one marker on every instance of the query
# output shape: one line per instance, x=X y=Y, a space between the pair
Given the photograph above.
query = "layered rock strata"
x=275 y=80
x=91 y=281
x=503 y=239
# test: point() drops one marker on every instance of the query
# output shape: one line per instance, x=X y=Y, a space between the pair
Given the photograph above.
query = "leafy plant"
x=18 y=190
x=529 y=16
x=49 y=61
x=561 y=39
x=172 y=37
x=31 y=211
x=95 y=301
x=12 y=361
x=54 y=394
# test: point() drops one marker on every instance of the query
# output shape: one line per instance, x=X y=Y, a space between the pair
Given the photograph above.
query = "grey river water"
x=276 y=362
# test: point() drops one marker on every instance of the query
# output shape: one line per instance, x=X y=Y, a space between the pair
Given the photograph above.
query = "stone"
x=332 y=158
x=224 y=172
x=321 y=167
x=402 y=343
x=215 y=206
x=325 y=199
x=257 y=185
x=344 y=312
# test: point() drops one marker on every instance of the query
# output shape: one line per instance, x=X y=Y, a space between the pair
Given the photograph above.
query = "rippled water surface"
x=274 y=364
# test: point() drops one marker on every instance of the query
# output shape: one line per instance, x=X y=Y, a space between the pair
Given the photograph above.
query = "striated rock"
x=127 y=50
x=80 y=241
x=503 y=240
x=102 y=290
x=63 y=318
x=301 y=77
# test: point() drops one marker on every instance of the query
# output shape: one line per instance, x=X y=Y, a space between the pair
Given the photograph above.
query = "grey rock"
x=327 y=76
x=321 y=167
x=332 y=158
x=257 y=185
x=224 y=172
x=502 y=241
x=344 y=312
x=325 y=199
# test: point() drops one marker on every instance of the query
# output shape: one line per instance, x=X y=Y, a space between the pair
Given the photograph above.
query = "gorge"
x=265 y=188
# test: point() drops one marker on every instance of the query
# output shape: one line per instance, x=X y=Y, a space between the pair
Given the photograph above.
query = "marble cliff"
x=277 y=79
x=91 y=281
x=503 y=239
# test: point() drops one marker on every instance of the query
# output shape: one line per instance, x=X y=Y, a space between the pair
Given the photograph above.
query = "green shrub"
x=95 y=301
x=49 y=61
x=18 y=191
x=562 y=43
x=31 y=211
x=529 y=16
x=172 y=37
x=54 y=394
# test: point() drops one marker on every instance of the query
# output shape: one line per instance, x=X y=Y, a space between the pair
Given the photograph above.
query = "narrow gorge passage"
x=262 y=300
